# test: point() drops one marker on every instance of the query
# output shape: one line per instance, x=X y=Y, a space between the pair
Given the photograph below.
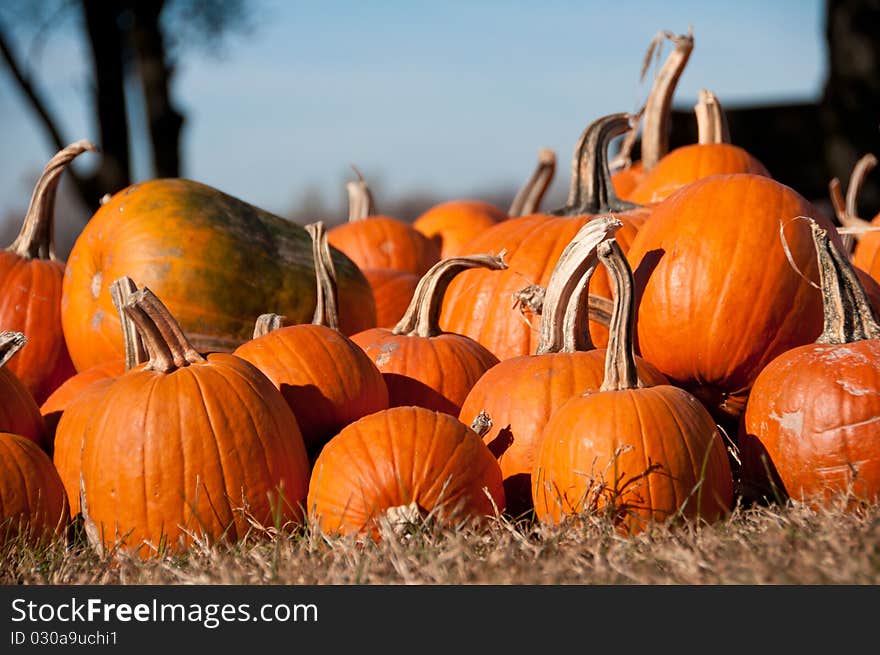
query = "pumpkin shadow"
x=404 y=391
x=315 y=414
x=641 y=275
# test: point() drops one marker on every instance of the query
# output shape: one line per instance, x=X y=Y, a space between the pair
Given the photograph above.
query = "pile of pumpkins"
x=685 y=330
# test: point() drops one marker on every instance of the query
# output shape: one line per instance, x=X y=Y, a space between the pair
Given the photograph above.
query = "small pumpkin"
x=812 y=424
x=326 y=379
x=403 y=463
x=392 y=292
x=33 y=506
x=640 y=453
x=187 y=446
x=31 y=276
x=422 y=364
x=19 y=413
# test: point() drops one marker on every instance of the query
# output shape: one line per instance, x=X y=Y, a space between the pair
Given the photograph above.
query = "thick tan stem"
x=36 y=238
x=591 y=190
x=120 y=292
x=10 y=343
x=482 y=423
x=848 y=313
x=566 y=331
x=620 y=364
x=360 y=198
x=267 y=323
x=623 y=158
x=528 y=199
x=422 y=317
x=326 y=305
x=166 y=344
x=846 y=210
x=658 y=108
x=711 y=119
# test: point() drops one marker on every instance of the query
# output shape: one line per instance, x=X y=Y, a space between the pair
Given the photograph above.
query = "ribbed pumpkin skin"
x=867 y=252
x=718 y=298
x=814 y=412
x=401 y=456
x=520 y=395
x=19 y=413
x=216 y=261
x=31 y=493
x=480 y=303
x=164 y=453
x=432 y=372
x=456 y=222
x=69 y=432
x=392 y=293
x=31 y=303
x=662 y=427
x=385 y=242
x=691 y=163
x=55 y=405
x=326 y=379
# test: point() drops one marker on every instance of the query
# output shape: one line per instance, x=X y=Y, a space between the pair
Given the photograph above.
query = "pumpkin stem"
x=623 y=158
x=135 y=352
x=711 y=119
x=620 y=363
x=658 y=108
x=528 y=199
x=482 y=423
x=36 y=240
x=564 y=329
x=848 y=313
x=10 y=343
x=360 y=198
x=422 y=317
x=326 y=301
x=267 y=323
x=166 y=344
x=847 y=210
x=591 y=190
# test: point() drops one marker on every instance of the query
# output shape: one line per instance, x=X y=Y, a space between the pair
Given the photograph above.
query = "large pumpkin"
x=216 y=261
x=326 y=379
x=188 y=446
x=33 y=506
x=403 y=463
x=30 y=278
x=724 y=276
x=19 y=413
x=637 y=453
x=481 y=304
x=521 y=393
x=812 y=424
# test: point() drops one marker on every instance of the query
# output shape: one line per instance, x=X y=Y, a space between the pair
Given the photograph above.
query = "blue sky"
x=452 y=97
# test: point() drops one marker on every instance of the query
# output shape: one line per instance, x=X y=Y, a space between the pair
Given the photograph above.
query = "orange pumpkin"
x=33 y=506
x=812 y=424
x=326 y=379
x=187 y=446
x=637 y=453
x=19 y=413
x=392 y=292
x=31 y=277
x=401 y=464
x=866 y=234
x=480 y=304
x=521 y=393
x=713 y=154
x=453 y=223
x=719 y=296
x=423 y=365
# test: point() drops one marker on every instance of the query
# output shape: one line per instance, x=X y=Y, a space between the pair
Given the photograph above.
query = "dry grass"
x=777 y=544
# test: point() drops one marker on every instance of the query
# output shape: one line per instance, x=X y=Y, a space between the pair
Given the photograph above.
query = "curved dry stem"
x=422 y=317
x=482 y=423
x=120 y=292
x=360 y=198
x=528 y=199
x=563 y=330
x=10 y=343
x=326 y=305
x=36 y=239
x=591 y=190
x=848 y=313
x=166 y=344
x=620 y=364
x=623 y=158
x=267 y=323
x=658 y=108
x=711 y=119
